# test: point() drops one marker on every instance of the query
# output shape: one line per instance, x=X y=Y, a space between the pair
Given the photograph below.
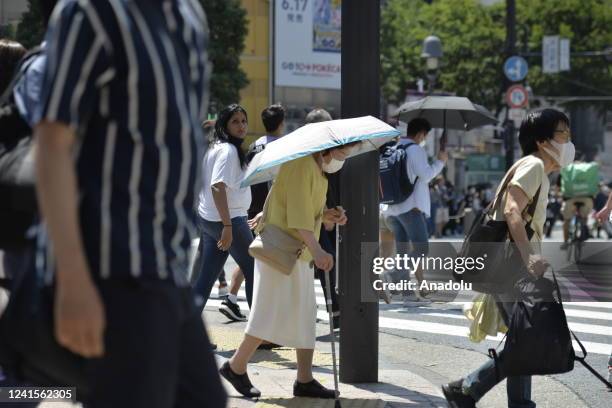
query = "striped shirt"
x=131 y=78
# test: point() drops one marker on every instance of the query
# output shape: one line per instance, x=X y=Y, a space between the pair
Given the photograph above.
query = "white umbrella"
x=317 y=137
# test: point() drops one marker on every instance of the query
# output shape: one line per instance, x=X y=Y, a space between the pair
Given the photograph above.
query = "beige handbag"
x=274 y=246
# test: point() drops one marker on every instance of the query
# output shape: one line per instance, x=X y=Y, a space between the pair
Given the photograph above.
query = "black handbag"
x=539 y=341
x=489 y=239
x=18 y=205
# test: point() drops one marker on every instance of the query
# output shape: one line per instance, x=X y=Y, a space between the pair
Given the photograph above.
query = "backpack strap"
x=405 y=147
x=20 y=70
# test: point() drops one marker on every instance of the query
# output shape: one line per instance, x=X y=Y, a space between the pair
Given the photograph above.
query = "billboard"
x=307 y=43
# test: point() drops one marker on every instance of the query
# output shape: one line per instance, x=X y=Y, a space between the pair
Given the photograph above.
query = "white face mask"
x=567 y=152
x=333 y=166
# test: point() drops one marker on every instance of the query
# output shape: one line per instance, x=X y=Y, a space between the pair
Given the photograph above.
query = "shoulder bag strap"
x=25 y=61
x=498 y=197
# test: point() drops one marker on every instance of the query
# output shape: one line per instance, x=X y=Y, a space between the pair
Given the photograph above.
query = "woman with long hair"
x=223 y=205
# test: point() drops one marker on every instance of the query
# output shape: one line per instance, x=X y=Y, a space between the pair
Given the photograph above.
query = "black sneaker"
x=231 y=310
x=240 y=382
x=455 y=397
x=312 y=389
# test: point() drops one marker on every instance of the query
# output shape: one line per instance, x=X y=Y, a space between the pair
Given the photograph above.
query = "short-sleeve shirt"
x=130 y=77
x=297 y=198
x=222 y=165
x=529 y=175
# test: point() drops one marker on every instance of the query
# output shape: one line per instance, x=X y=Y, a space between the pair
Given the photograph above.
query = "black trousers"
x=157 y=352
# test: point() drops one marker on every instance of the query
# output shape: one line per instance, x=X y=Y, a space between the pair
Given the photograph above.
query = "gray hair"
x=318 y=115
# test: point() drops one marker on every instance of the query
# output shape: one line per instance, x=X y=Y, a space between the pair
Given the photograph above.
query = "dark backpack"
x=395 y=184
x=539 y=341
x=18 y=206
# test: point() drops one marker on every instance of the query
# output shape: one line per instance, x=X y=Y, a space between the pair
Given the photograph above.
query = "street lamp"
x=432 y=52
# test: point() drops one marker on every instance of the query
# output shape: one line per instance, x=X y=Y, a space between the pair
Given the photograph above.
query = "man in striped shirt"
x=117 y=156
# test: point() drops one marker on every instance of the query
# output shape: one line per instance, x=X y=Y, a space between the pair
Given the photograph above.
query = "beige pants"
x=568 y=210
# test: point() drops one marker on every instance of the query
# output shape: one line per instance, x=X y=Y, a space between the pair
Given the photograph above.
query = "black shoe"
x=455 y=397
x=313 y=389
x=240 y=382
x=231 y=310
x=268 y=346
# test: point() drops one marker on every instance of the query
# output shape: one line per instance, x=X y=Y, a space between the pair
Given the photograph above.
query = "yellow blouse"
x=297 y=198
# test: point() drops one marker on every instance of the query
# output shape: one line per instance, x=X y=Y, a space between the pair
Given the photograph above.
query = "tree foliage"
x=30 y=31
x=228 y=25
x=473 y=40
x=588 y=25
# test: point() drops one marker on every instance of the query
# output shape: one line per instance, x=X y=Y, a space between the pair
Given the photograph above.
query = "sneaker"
x=231 y=310
x=222 y=290
x=312 y=389
x=455 y=397
x=240 y=382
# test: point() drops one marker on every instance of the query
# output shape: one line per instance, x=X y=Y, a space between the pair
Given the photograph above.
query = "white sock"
x=232 y=298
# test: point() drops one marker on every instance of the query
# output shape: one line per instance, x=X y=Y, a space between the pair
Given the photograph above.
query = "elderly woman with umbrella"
x=284 y=303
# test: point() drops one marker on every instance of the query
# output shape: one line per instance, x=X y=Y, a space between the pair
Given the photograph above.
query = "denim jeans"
x=210 y=259
x=410 y=228
x=518 y=388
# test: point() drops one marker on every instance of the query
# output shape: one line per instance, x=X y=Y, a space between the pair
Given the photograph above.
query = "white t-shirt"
x=221 y=165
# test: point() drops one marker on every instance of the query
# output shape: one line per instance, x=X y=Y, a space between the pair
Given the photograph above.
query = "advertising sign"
x=550 y=54
x=307 y=43
x=564 y=54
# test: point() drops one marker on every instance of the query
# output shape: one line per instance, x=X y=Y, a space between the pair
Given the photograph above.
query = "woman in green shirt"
x=284 y=306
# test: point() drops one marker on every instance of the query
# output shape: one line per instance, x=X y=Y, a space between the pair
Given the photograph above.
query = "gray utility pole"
x=509 y=130
x=359 y=194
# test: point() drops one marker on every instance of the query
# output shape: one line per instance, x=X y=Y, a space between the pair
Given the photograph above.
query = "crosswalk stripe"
x=462 y=331
x=577 y=327
x=431 y=328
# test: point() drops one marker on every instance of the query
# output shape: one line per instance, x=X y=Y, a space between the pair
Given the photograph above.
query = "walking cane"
x=328 y=301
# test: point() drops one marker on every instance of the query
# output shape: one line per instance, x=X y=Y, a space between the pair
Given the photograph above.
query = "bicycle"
x=578 y=233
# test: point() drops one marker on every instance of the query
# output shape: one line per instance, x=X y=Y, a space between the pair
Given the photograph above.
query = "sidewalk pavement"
x=273 y=372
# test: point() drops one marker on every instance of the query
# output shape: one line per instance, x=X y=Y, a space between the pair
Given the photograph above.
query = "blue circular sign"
x=516 y=68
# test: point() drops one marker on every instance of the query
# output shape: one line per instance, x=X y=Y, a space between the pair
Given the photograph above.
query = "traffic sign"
x=517 y=97
x=516 y=68
x=517 y=116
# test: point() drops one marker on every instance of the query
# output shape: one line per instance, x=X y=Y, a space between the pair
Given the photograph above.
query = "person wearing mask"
x=545 y=140
x=284 y=306
x=408 y=219
x=273 y=118
x=223 y=206
x=122 y=99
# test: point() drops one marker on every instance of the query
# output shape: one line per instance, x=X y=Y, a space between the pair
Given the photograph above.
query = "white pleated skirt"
x=284 y=306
